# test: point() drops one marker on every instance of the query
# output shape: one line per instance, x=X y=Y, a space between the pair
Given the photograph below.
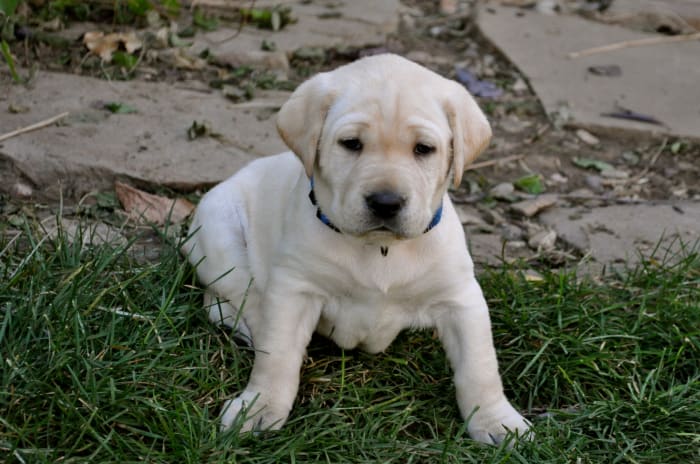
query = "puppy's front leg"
x=465 y=331
x=280 y=340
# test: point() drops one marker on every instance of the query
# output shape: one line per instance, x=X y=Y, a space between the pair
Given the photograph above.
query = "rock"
x=448 y=7
x=619 y=233
x=274 y=61
x=630 y=158
x=469 y=216
x=354 y=24
x=93 y=147
x=547 y=7
x=519 y=86
x=426 y=58
x=587 y=138
x=668 y=16
x=511 y=232
x=557 y=178
x=492 y=216
x=543 y=240
x=513 y=124
x=530 y=208
x=615 y=174
x=532 y=275
x=504 y=191
x=314 y=54
x=22 y=190
x=656 y=80
x=90 y=234
x=516 y=245
x=594 y=183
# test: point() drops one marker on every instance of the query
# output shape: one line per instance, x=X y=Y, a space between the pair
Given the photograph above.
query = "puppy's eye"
x=352 y=144
x=422 y=149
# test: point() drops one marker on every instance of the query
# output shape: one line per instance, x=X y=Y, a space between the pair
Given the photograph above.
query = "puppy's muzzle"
x=385 y=205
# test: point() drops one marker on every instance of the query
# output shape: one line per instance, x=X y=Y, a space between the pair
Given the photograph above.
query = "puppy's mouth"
x=384 y=230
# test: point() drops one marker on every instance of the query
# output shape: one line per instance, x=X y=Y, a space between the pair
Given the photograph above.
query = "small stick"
x=635 y=43
x=648 y=167
x=33 y=127
x=488 y=163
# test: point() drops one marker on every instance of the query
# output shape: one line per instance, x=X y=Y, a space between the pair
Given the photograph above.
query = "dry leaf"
x=105 y=45
x=146 y=207
x=179 y=58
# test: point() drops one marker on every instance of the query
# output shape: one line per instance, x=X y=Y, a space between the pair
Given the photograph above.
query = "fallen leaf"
x=530 y=184
x=598 y=165
x=104 y=46
x=204 y=21
x=125 y=60
x=179 y=58
x=676 y=147
x=149 y=208
x=533 y=276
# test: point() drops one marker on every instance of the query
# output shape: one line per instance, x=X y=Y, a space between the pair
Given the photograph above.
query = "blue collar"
x=324 y=219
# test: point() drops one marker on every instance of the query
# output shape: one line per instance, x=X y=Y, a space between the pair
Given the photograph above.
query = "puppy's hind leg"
x=222 y=312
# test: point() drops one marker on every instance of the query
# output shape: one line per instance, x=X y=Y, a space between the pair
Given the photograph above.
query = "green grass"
x=107 y=358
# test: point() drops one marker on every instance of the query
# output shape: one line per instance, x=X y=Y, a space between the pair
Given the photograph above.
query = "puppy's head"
x=382 y=138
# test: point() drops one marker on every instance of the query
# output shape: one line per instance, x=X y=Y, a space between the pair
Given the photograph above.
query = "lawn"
x=107 y=357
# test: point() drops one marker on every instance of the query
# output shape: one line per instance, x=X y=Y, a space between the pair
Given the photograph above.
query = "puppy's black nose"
x=385 y=205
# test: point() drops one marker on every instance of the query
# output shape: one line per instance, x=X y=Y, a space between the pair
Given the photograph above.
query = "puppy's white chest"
x=369 y=322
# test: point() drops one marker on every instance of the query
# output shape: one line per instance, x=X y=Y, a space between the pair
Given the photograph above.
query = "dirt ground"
x=647 y=169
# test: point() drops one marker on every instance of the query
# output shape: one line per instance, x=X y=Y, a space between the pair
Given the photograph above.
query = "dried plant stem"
x=636 y=43
x=33 y=127
x=485 y=164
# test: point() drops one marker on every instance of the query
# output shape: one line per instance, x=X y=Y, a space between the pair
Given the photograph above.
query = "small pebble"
x=492 y=216
x=594 y=183
x=529 y=208
x=614 y=174
x=22 y=190
x=511 y=232
x=587 y=138
x=503 y=191
x=557 y=178
x=543 y=240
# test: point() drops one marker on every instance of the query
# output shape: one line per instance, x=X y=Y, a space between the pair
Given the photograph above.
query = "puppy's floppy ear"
x=471 y=132
x=300 y=120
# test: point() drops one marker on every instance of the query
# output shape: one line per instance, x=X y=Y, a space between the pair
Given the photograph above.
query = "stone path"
x=656 y=80
x=93 y=147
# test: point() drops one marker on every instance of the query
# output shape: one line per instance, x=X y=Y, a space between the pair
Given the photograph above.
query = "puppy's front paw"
x=492 y=425
x=255 y=414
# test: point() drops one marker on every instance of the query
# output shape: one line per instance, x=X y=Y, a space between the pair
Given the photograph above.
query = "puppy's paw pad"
x=493 y=427
x=253 y=413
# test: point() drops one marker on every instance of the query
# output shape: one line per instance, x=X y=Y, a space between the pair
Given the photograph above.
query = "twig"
x=648 y=167
x=540 y=132
x=33 y=127
x=241 y=24
x=488 y=163
x=635 y=43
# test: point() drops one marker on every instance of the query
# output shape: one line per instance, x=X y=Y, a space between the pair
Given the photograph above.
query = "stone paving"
x=91 y=148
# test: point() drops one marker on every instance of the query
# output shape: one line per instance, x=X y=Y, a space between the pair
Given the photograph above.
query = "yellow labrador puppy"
x=352 y=235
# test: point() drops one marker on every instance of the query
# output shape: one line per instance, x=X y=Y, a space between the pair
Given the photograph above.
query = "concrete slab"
x=357 y=23
x=657 y=80
x=92 y=147
x=617 y=234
